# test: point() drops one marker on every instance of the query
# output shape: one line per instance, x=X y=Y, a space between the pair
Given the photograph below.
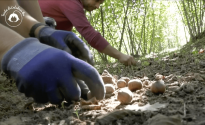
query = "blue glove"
x=84 y=88
x=64 y=39
x=48 y=74
x=50 y=22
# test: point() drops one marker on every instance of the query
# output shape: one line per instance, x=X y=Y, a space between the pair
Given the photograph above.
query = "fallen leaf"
x=62 y=122
x=115 y=65
x=89 y=102
x=198 y=77
x=159 y=76
x=188 y=87
x=84 y=102
x=203 y=76
x=106 y=73
x=147 y=107
x=189 y=74
x=109 y=95
x=164 y=120
x=114 y=116
x=91 y=107
x=173 y=88
x=107 y=79
x=201 y=51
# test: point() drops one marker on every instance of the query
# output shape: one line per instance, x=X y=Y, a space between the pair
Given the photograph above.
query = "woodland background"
x=142 y=27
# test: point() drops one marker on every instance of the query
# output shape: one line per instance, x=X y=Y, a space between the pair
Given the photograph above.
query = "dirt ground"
x=183 y=102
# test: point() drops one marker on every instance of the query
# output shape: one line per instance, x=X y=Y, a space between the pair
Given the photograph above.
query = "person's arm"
x=27 y=21
x=74 y=12
x=125 y=59
x=6 y=41
x=32 y=7
x=28 y=62
x=50 y=36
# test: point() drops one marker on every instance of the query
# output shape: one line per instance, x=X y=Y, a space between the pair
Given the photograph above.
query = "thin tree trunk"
x=102 y=21
x=182 y=20
x=186 y=15
x=197 y=20
x=103 y=56
x=131 y=38
x=192 y=17
x=145 y=42
x=143 y=26
x=153 y=33
x=124 y=23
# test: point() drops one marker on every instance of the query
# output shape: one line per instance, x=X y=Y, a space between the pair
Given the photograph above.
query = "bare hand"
x=127 y=60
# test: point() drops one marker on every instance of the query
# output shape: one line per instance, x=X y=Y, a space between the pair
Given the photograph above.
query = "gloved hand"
x=83 y=87
x=50 y=22
x=48 y=74
x=64 y=39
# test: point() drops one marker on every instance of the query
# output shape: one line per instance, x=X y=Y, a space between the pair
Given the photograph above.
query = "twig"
x=184 y=110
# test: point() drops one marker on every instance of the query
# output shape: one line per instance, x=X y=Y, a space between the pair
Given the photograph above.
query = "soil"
x=182 y=103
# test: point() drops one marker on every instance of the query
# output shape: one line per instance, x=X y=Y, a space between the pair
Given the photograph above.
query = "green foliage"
x=145 y=63
x=193 y=16
x=195 y=51
x=140 y=27
x=76 y=112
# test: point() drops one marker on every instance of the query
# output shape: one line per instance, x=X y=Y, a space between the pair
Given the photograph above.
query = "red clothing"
x=69 y=13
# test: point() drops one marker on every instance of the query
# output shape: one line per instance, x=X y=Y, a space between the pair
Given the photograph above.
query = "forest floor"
x=183 y=102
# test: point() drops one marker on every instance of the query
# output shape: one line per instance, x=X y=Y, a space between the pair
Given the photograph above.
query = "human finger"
x=90 y=76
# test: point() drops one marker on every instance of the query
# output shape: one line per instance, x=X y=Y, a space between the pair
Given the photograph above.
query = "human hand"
x=48 y=74
x=50 y=22
x=127 y=60
x=64 y=39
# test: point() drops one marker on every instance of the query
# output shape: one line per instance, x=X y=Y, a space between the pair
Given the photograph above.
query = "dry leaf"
x=188 y=87
x=89 y=102
x=84 y=102
x=109 y=95
x=173 y=88
x=190 y=74
x=159 y=76
x=198 y=77
x=91 y=107
x=147 y=107
x=115 y=77
x=106 y=73
x=201 y=51
x=164 y=120
x=189 y=78
x=203 y=76
x=115 y=65
x=107 y=79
